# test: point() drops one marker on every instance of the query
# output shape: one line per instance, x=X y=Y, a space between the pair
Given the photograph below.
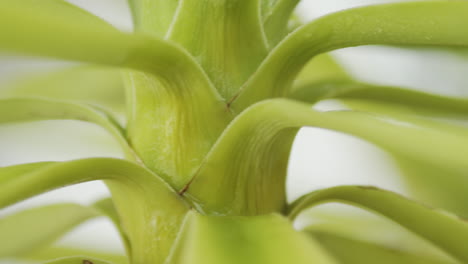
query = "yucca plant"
x=216 y=91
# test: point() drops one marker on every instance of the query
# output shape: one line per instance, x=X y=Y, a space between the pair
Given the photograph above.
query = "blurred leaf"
x=320 y=69
x=32 y=229
x=350 y=251
x=31 y=28
x=276 y=19
x=19 y=182
x=411 y=23
x=33 y=109
x=421 y=103
x=158 y=23
x=443 y=230
x=248 y=240
x=135 y=190
x=87 y=84
x=437 y=186
x=367 y=227
x=60 y=252
x=255 y=137
x=77 y=260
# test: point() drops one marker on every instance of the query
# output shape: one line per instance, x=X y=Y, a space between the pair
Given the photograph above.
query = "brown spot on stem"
x=85 y=261
x=372 y=188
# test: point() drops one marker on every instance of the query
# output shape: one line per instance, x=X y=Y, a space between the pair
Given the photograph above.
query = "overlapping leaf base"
x=216 y=92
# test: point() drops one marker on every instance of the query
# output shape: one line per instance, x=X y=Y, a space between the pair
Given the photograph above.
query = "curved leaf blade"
x=62 y=252
x=351 y=251
x=259 y=239
x=135 y=190
x=29 y=28
x=34 y=109
x=32 y=229
x=252 y=137
x=445 y=231
x=420 y=102
x=77 y=260
x=85 y=84
x=276 y=20
x=169 y=72
x=419 y=23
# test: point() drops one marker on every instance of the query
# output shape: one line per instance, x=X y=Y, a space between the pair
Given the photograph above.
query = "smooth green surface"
x=225 y=38
x=27 y=234
x=435 y=185
x=323 y=79
x=153 y=16
x=35 y=228
x=61 y=252
x=259 y=129
x=34 y=109
x=86 y=84
x=232 y=240
x=421 y=103
x=77 y=260
x=171 y=101
x=183 y=96
x=445 y=231
x=351 y=251
x=173 y=127
x=137 y=194
x=419 y=23
x=276 y=19
x=360 y=224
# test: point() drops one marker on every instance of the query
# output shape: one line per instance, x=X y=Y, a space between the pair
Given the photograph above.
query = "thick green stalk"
x=172 y=127
x=225 y=37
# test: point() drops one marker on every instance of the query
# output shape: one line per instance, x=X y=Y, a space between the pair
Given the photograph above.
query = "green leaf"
x=136 y=191
x=32 y=229
x=153 y=16
x=199 y=113
x=61 y=252
x=422 y=103
x=232 y=240
x=276 y=20
x=437 y=186
x=418 y=23
x=256 y=139
x=106 y=207
x=62 y=9
x=368 y=227
x=77 y=260
x=30 y=28
x=34 y=109
x=320 y=69
x=443 y=230
x=225 y=37
x=87 y=84
x=351 y=251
